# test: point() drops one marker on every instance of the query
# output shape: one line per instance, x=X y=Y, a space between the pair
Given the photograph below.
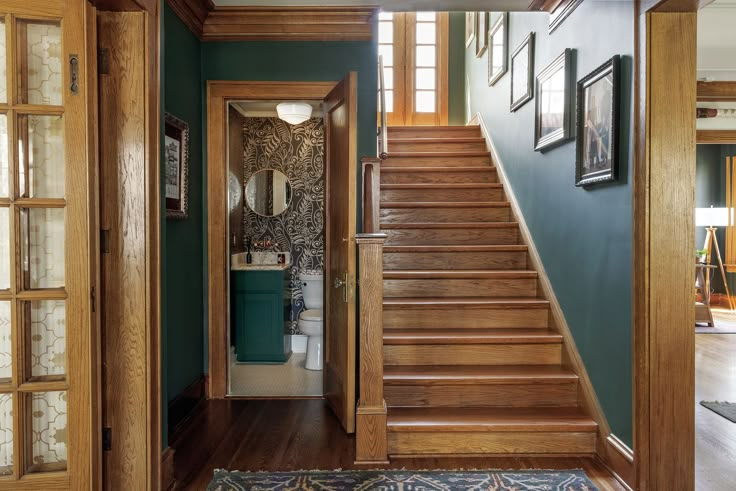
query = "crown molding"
x=193 y=13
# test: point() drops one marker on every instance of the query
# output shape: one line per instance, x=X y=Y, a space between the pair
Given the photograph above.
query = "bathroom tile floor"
x=289 y=379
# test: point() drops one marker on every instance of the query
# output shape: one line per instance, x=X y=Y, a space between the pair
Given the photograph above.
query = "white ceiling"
x=717 y=41
x=393 y=5
x=267 y=109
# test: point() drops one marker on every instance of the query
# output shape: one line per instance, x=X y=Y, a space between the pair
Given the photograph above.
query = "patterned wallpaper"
x=298 y=152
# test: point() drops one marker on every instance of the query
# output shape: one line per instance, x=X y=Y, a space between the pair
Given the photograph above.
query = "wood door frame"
x=219 y=94
x=663 y=200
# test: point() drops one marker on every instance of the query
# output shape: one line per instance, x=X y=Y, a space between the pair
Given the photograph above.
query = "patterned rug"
x=529 y=480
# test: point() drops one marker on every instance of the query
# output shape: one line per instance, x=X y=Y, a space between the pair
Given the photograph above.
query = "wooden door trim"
x=663 y=199
x=219 y=93
x=722 y=137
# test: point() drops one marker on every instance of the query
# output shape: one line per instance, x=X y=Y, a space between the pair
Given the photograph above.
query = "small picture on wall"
x=176 y=153
x=481 y=33
x=597 y=125
x=498 y=53
x=522 y=73
x=469 y=28
x=553 y=122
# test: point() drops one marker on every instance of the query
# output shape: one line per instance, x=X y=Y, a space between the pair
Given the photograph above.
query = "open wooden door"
x=341 y=124
x=47 y=435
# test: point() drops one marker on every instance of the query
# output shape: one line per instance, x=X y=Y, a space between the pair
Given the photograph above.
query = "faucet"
x=265 y=244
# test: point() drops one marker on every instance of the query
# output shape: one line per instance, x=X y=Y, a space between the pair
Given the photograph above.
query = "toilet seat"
x=311 y=315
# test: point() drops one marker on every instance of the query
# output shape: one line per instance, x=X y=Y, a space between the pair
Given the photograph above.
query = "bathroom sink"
x=261 y=261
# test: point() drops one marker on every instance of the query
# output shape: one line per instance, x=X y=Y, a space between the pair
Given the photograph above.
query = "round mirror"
x=268 y=193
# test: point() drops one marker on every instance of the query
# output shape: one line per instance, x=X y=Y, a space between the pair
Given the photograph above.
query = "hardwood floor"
x=715 y=436
x=284 y=435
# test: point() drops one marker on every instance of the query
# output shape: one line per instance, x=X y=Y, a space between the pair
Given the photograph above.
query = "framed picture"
x=498 y=49
x=469 y=28
x=522 y=73
x=176 y=151
x=553 y=122
x=598 y=125
x=481 y=33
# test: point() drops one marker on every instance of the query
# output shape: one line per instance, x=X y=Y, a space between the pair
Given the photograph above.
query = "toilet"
x=311 y=320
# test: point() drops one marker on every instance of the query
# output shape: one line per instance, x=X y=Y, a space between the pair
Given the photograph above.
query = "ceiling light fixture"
x=294 y=112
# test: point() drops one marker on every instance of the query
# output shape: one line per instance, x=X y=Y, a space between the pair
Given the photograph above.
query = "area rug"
x=386 y=480
x=725 y=409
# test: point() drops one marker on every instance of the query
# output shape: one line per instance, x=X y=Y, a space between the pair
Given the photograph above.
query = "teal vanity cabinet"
x=259 y=315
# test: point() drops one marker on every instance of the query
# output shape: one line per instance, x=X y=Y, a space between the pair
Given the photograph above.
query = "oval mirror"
x=268 y=193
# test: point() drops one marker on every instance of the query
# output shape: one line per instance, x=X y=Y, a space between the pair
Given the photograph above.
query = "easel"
x=710 y=240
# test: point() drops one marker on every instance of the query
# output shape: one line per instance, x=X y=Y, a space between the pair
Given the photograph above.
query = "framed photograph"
x=598 y=125
x=469 y=28
x=498 y=49
x=176 y=151
x=481 y=33
x=553 y=122
x=522 y=73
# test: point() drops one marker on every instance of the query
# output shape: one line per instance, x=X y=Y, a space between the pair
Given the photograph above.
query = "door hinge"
x=106 y=439
x=93 y=298
x=103 y=61
x=105 y=241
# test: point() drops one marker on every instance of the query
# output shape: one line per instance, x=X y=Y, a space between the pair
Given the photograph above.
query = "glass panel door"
x=44 y=267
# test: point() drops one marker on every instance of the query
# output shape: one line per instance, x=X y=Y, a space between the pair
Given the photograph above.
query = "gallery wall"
x=583 y=235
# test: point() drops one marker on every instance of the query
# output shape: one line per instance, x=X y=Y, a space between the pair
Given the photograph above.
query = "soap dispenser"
x=248 y=256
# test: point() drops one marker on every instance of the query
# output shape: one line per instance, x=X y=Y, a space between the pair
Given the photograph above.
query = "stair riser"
x=476 y=354
x=437 y=161
x=443 y=195
x=445 y=146
x=445 y=215
x=452 y=236
x=482 y=395
x=433 y=132
x=456 y=287
x=504 y=260
x=431 y=318
x=455 y=177
x=477 y=443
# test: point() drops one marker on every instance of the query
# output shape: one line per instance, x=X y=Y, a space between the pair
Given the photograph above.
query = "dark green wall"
x=583 y=235
x=183 y=252
x=456 y=69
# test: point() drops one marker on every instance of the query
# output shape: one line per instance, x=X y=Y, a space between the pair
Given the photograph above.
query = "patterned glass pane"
x=41 y=80
x=6 y=348
x=4 y=248
x=3 y=71
x=48 y=431
x=42 y=243
x=41 y=156
x=6 y=434
x=425 y=101
x=4 y=176
x=47 y=336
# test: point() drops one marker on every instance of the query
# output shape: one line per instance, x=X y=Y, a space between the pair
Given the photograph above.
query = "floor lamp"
x=710 y=218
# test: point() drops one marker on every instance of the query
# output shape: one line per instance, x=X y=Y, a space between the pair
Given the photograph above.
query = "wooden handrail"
x=383 y=129
x=371 y=194
x=371 y=445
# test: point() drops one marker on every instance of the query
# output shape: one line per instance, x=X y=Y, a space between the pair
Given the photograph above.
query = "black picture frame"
x=599 y=163
x=481 y=33
x=522 y=72
x=498 y=36
x=553 y=128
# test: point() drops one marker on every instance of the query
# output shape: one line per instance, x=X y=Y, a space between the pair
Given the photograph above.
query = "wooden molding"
x=183 y=405
x=570 y=357
x=289 y=24
x=619 y=460
x=193 y=13
x=716 y=91
x=168 y=478
x=716 y=136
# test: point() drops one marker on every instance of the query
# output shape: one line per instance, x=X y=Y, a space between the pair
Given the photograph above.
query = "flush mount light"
x=294 y=112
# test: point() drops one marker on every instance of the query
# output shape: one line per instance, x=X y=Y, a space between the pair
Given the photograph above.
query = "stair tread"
x=470 y=419
x=456 y=139
x=450 y=185
x=470 y=336
x=439 y=169
x=456 y=248
x=445 y=204
x=490 y=302
x=458 y=273
x=474 y=375
x=447 y=127
x=440 y=225
x=438 y=153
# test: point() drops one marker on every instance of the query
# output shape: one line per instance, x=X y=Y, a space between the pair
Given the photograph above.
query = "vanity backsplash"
x=298 y=152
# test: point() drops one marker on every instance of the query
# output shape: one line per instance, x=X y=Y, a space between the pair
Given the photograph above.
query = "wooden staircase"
x=471 y=365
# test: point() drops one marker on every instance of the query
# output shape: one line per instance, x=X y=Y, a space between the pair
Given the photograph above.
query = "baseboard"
x=619 y=460
x=182 y=406
x=168 y=479
x=571 y=357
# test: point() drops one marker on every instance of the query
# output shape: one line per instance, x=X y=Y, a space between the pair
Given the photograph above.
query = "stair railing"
x=371 y=445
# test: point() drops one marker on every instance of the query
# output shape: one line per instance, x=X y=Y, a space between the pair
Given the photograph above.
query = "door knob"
x=338 y=283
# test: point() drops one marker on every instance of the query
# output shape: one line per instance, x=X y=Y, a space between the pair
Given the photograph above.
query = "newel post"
x=370 y=438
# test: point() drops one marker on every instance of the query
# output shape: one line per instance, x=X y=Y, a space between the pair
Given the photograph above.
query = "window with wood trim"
x=414 y=49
